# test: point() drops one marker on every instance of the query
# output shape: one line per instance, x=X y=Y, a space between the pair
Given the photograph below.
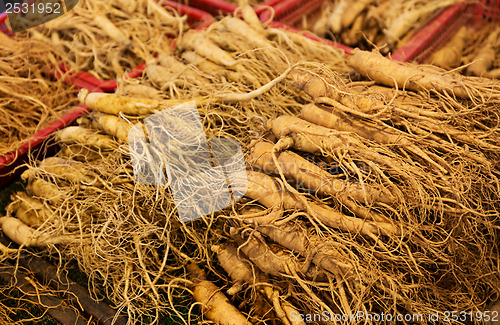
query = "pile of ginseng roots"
x=472 y=50
x=383 y=24
x=360 y=197
x=108 y=38
x=85 y=204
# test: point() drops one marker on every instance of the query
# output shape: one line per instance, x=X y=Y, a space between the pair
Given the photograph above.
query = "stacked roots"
x=476 y=50
x=361 y=214
x=108 y=38
x=85 y=203
x=360 y=198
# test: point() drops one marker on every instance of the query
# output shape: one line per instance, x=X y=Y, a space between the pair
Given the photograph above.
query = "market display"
x=476 y=51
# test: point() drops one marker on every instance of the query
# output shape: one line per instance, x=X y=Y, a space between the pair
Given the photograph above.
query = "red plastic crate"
x=266 y=5
x=440 y=30
x=487 y=11
x=213 y=7
x=86 y=80
x=3 y=24
x=435 y=34
x=222 y=8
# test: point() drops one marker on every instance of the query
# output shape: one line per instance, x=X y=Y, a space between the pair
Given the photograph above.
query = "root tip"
x=82 y=95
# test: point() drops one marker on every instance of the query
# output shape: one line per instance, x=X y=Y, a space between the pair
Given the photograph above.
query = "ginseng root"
x=24 y=235
x=238 y=270
x=29 y=210
x=413 y=77
x=84 y=136
x=265 y=189
x=313 y=177
x=214 y=303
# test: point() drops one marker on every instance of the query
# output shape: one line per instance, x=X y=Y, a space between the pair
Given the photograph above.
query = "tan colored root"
x=313 y=86
x=353 y=12
x=308 y=175
x=106 y=25
x=265 y=189
x=45 y=190
x=308 y=137
x=30 y=99
x=83 y=136
x=238 y=270
x=214 y=303
x=285 y=311
x=171 y=71
x=203 y=46
x=325 y=254
x=111 y=125
x=378 y=133
x=138 y=90
x=260 y=254
x=255 y=37
x=485 y=57
x=449 y=56
x=271 y=259
x=242 y=273
x=251 y=17
x=408 y=76
x=112 y=104
x=78 y=153
x=72 y=171
x=232 y=98
x=29 y=210
x=211 y=68
x=107 y=39
x=24 y=235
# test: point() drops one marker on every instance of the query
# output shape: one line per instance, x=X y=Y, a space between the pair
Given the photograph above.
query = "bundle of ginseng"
x=474 y=51
x=460 y=90
x=108 y=38
x=368 y=191
x=29 y=97
x=234 y=55
x=481 y=52
x=368 y=202
x=385 y=24
x=343 y=209
x=86 y=204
